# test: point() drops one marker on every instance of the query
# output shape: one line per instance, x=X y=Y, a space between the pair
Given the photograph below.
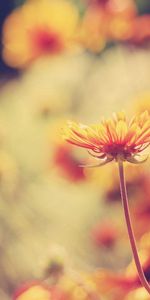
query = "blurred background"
x=62 y=226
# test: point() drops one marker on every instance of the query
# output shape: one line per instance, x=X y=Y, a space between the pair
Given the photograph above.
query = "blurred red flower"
x=107 y=20
x=104 y=234
x=67 y=163
x=141 y=30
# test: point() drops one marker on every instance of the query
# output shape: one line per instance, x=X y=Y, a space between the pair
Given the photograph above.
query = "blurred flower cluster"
x=62 y=232
x=44 y=27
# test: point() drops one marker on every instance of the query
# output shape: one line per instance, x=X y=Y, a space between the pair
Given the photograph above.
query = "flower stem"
x=124 y=197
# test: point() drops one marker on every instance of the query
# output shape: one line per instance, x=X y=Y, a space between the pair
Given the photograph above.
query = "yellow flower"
x=121 y=28
x=106 y=20
x=92 y=32
x=38 y=28
x=112 y=139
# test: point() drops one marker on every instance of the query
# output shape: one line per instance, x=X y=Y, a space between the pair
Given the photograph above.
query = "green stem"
x=124 y=197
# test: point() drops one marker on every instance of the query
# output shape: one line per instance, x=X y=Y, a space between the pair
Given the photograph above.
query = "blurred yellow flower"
x=120 y=28
x=138 y=294
x=68 y=288
x=41 y=291
x=38 y=28
x=92 y=32
x=106 y=20
x=79 y=286
x=34 y=291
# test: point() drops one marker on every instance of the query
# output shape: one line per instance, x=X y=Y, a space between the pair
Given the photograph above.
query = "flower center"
x=117 y=150
x=45 y=41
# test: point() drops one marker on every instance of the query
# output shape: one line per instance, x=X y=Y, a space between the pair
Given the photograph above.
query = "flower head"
x=112 y=139
x=38 y=28
x=105 y=21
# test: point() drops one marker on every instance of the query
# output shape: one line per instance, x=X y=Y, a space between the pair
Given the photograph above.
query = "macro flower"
x=120 y=140
x=112 y=139
x=38 y=28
